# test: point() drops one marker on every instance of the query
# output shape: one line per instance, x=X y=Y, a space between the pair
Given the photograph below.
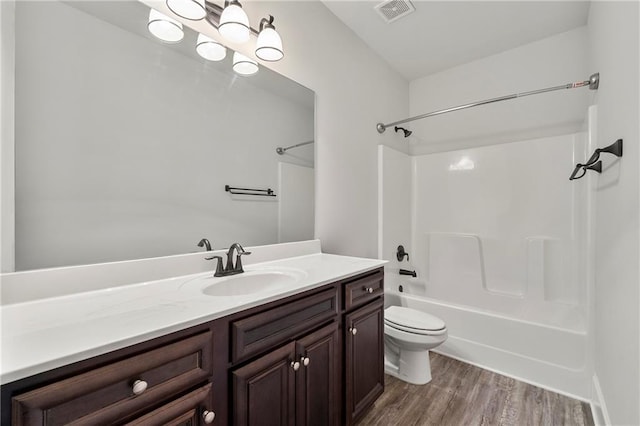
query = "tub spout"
x=406 y=272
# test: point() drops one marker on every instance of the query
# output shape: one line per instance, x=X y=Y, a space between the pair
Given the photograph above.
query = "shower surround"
x=498 y=238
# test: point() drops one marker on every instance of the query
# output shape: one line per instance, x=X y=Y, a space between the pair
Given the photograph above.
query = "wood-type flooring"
x=462 y=394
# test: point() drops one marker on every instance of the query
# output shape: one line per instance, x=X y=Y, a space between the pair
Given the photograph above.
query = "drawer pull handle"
x=305 y=361
x=295 y=365
x=353 y=330
x=139 y=386
x=368 y=289
x=208 y=416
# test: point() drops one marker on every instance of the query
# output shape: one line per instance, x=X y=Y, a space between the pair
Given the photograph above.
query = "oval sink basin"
x=250 y=282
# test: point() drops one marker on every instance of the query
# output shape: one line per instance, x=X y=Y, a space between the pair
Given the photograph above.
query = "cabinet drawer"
x=105 y=395
x=267 y=329
x=362 y=289
x=187 y=410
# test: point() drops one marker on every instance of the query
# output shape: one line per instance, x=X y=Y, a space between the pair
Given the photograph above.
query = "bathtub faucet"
x=406 y=272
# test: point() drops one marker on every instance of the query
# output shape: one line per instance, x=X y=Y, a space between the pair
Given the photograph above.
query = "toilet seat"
x=413 y=321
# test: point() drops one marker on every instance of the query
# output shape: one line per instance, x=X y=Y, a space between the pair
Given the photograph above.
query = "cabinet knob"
x=208 y=416
x=353 y=330
x=368 y=289
x=139 y=386
x=295 y=365
x=305 y=361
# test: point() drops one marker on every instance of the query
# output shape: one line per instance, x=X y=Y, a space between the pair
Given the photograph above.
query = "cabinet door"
x=318 y=380
x=364 y=358
x=264 y=390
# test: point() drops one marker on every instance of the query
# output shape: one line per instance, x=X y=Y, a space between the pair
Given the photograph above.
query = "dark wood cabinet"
x=119 y=391
x=364 y=358
x=190 y=410
x=312 y=359
x=264 y=330
x=296 y=384
x=363 y=289
x=264 y=390
x=318 y=381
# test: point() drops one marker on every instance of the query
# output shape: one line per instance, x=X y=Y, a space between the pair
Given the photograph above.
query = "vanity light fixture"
x=165 y=28
x=188 y=9
x=269 y=44
x=210 y=49
x=243 y=65
x=234 y=23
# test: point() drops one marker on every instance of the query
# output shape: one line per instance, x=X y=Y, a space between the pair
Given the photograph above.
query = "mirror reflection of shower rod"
x=592 y=83
x=280 y=150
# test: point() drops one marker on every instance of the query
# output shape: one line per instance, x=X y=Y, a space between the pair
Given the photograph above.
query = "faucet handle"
x=219 y=267
x=239 y=260
x=401 y=253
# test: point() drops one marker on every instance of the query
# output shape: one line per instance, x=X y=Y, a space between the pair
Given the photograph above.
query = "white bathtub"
x=507 y=344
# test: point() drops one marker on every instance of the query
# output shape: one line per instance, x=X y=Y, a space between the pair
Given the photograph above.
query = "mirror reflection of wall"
x=124 y=144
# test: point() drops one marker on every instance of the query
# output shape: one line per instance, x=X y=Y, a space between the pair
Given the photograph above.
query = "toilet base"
x=412 y=367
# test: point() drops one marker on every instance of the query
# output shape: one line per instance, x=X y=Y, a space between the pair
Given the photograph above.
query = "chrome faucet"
x=230 y=268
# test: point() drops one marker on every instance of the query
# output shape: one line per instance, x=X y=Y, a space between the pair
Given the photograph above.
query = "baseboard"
x=598 y=407
x=572 y=383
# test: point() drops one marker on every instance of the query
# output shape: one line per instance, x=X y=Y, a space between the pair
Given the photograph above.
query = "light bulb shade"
x=243 y=65
x=188 y=9
x=234 y=24
x=210 y=49
x=269 y=45
x=165 y=28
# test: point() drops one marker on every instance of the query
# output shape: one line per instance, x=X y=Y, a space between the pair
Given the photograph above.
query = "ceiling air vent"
x=394 y=9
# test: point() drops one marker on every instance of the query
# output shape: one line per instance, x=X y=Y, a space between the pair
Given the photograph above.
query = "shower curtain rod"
x=281 y=150
x=593 y=82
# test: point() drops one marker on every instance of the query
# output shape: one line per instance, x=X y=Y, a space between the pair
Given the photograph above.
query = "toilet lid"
x=412 y=319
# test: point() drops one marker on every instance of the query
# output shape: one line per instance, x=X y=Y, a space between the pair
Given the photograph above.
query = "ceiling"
x=442 y=34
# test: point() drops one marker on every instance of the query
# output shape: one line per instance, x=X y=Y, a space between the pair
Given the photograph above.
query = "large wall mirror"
x=124 y=144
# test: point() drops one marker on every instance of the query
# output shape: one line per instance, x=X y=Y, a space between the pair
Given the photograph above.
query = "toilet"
x=408 y=336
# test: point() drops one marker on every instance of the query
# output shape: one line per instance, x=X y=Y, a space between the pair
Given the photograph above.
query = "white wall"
x=614 y=52
x=355 y=89
x=119 y=159
x=7 y=75
x=552 y=61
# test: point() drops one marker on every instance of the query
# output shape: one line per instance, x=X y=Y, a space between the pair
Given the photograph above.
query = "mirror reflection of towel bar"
x=250 y=191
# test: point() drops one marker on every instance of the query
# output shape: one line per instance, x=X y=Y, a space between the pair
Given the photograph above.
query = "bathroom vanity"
x=307 y=355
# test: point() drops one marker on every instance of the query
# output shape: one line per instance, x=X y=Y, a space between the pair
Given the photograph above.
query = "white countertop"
x=43 y=334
